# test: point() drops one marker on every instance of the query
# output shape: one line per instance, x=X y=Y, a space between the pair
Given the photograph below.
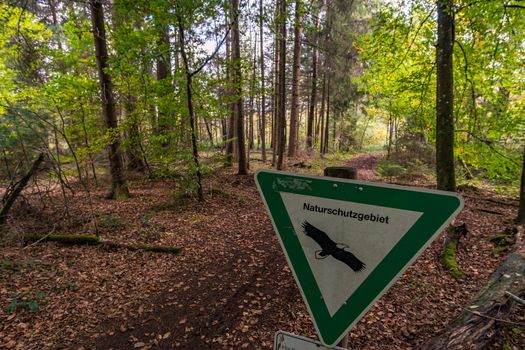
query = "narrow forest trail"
x=230 y=288
x=366 y=165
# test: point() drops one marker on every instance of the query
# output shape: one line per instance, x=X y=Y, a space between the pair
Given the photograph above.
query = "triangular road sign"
x=347 y=241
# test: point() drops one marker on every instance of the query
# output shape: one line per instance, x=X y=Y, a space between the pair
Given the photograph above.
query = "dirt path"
x=366 y=165
x=231 y=282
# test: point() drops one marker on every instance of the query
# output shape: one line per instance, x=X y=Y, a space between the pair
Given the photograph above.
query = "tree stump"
x=343 y=172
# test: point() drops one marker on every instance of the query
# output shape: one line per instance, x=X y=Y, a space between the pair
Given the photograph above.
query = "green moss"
x=449 y=259
x=159 y=249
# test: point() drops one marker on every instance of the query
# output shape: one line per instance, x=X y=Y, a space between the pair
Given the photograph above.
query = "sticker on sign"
x=288 y=341
x=347 y=241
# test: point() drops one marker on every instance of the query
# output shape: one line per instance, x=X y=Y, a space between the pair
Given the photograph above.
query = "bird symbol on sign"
x=329 y=247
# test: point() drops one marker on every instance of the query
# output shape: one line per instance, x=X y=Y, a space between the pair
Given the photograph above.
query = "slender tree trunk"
x=521 y=210
x=119 y=188
x=327 y=126
x=445 y=97
x=164 y=83
x=133 y=153
x=322 y=115
x=263 y=91
x=313 y=97
x=281 y=127
x=251 y=129
x=191 y=112
x=275 y=111
x=296 y=71
x=237 y=83
x=231 y=117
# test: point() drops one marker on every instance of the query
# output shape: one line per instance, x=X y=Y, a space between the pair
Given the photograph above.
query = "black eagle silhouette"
x=329 y=247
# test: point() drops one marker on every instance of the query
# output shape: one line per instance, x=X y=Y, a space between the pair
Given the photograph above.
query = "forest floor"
x=230 y=287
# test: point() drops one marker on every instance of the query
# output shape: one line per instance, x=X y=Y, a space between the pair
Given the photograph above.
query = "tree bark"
x=164 y=83
x=230 y=107
x=119 y=188
x=521 y=209
x=322 y=148
x=296 y=72
x=313 y=96
x=445 y=97
x=263 y=91
x=237 y=85
x=281 y=127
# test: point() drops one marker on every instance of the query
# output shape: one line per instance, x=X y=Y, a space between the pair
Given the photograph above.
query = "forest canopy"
x=154 y=86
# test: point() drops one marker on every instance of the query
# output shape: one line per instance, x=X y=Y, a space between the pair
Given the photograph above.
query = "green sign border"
x=438 y=208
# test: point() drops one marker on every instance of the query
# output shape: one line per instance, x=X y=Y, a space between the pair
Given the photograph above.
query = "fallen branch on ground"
x=95 y=240
x=13 y=193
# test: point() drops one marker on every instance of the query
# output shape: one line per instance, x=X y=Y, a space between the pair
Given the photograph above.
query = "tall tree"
x=191 y=110
x=164 y=81
x=313 y=96
x=281 y=108
x=262 y=130
x=237 y=85
x=296 y=71
x=521 y=210
x=230 y=105
x=446 y=179
x=119 y=188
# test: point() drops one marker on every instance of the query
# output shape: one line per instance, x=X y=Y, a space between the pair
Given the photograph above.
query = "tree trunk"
x=237 y=83
x=231 y=118
x=191 y=112
x=313 y=96
x=521 y=210
x=322 y=148
x=281 y=127
x=445 y=97
x=296 y=71
x=133 y=152
x=251 y=128
x=275 y=109
x=164 y=83
x=263 y=91
x=119 y=188
x=327 y=126
x=13 y=193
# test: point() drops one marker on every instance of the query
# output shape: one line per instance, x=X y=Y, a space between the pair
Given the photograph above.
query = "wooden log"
x=475 y=328
x=95 y=240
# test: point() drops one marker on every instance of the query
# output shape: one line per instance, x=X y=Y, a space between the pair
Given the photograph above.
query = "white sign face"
x=367 y=232
x=289 y=341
